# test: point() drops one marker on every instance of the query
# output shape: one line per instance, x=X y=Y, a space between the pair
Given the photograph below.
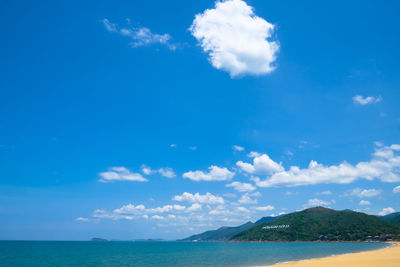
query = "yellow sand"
x=388 y=257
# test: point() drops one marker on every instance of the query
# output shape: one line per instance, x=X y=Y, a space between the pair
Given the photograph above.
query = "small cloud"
x=82 y=219
x=193 y=147
x=364 y=202
x=378 y=144
x=215 y=174
x=316 y=202
x=147 y=170
x=262 y=164
x=238 y=148
x=111 y=27
x=302 y=144
x=289 y=153
x=242 y=209
x=120 y=174
x=208 y=198
x=172 y=145
x=362 y=193
x=242 y=187
x=360 y=100
x=386 y=211
x=246 y=199
x=255 y=194
x=195 y=207
x=140 y=36
x=253 y=154
x=396 y=190
x=327 y=192
x=395 y=147
x=157 y=217
x=166 y=172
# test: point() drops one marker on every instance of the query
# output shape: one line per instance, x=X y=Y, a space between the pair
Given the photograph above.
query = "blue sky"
x=137 y=119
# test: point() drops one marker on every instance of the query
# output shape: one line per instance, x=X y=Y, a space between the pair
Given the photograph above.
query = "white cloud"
x=262 y=164
x=132 y=212
x=360 y=100
x=254 y=154
x=384 y=165
x=243 y=209
x=236 y=40
x=362 y=193
x=166 y=172
x=193 y=147
x=395 y=147
x=208 y=198
x=172 y=145
x=238 y=148
x=103 y=214
x=140 y=36
x=130 y=209
x=220 y=210
x=246 y=199
x=167 y=208
x=147 y=170
x=396 y=189
x=111 y=27
x=386 y=211
x=316 y=202
x=364 y=202
x=157 y=217
x=378 y=144
x=195 y=207
x=212 y=216
x=82 y=219
x=215 y=174
x=265 y=208
x=289 y=153
x=255 y=194
x=120 y=174
x=327 y=192
x=241 y=187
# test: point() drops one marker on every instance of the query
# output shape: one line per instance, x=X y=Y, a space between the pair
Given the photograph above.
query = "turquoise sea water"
x=66 y=253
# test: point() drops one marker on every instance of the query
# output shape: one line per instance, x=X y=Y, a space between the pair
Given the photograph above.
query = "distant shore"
x=387 y=257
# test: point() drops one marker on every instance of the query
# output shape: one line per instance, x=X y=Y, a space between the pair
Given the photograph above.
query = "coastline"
x=388 y=257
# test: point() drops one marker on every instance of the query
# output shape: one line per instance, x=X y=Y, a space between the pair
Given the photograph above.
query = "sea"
x=81 y=253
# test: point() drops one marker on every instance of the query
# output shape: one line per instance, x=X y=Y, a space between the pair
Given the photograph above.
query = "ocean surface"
x=68 y=253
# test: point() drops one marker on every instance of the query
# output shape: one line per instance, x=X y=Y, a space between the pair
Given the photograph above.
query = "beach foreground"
x=387 y=257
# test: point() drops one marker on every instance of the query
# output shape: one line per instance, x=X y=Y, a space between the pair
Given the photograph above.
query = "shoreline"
x=388 y=256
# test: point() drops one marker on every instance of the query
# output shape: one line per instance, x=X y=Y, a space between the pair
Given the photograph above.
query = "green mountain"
x=393 y=218
x=321 y=224
x=396 y=220
x=225 y=233
x=265 y=219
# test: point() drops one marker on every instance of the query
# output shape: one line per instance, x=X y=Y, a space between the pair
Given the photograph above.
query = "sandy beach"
x=388 y=257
